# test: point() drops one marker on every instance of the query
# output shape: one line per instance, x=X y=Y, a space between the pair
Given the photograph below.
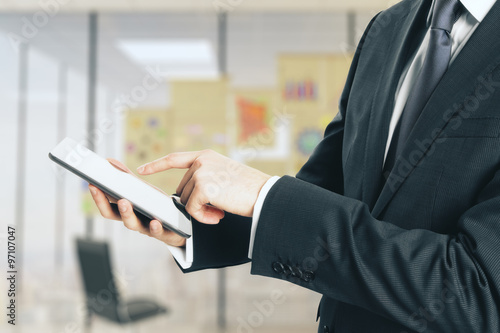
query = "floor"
x=154 y=326
x=54 y=303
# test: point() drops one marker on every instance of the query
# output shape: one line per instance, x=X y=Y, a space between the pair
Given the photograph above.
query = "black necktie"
x=436 y=61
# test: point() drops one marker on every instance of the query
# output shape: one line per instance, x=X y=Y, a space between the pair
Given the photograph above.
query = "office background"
x=256 y=80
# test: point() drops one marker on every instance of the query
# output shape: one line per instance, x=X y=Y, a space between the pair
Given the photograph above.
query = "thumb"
x=209 y=215
x=202 y=212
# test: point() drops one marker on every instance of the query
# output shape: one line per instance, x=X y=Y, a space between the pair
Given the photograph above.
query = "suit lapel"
x=407 y=35
x=480 y=55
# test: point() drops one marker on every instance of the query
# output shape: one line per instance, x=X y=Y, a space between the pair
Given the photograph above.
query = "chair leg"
x=88 y=319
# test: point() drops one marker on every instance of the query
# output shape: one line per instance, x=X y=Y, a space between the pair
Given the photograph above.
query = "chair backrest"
x=100 y=287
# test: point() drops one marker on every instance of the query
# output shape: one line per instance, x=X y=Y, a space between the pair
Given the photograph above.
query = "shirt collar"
x=477 y=8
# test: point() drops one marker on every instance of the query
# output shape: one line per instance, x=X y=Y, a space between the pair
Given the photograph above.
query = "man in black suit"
x=395 y=218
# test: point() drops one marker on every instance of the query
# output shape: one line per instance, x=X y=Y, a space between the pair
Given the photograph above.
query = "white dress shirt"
x=460 y=34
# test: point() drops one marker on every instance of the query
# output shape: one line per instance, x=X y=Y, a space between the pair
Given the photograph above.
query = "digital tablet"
x=145 y=199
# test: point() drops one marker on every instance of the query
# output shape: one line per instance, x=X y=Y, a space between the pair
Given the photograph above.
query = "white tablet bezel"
x=145 y=199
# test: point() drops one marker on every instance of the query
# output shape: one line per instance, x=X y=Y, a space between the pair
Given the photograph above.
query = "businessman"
x=395 y=218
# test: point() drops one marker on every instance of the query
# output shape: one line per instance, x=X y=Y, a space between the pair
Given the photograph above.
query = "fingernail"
x=212 y=220
x=93 y=191
x=141 y=169
x=122 y=207
x=155 y=227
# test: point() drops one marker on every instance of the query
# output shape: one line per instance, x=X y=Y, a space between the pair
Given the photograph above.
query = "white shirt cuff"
x=257 y=209
x=183 y=256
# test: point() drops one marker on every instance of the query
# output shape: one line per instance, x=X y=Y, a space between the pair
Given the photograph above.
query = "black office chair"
x=103 y=297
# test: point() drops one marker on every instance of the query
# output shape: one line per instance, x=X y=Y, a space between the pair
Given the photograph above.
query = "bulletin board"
x=260 y=136
x=309 y=88
x=199 y=112
x=148 y=136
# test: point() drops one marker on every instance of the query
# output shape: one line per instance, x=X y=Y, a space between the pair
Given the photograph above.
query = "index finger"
x=182 y=160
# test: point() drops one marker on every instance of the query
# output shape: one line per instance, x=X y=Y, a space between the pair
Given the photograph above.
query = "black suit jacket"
x=420 y=253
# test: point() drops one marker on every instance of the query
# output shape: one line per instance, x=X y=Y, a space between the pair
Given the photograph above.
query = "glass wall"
x=156 y=66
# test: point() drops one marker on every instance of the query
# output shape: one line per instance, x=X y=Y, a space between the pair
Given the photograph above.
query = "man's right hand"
x=125 y=213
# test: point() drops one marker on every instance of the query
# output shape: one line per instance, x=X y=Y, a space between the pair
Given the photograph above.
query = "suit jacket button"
x=326 y=329
x=287 y=270
x=308 y=276
x=296 y=272
x=278 y=267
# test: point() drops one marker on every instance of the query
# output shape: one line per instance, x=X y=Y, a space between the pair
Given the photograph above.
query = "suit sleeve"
x=421 y=279
x=220 y=245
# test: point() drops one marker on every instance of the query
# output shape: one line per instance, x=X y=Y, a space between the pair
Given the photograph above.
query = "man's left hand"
x=213 y=184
